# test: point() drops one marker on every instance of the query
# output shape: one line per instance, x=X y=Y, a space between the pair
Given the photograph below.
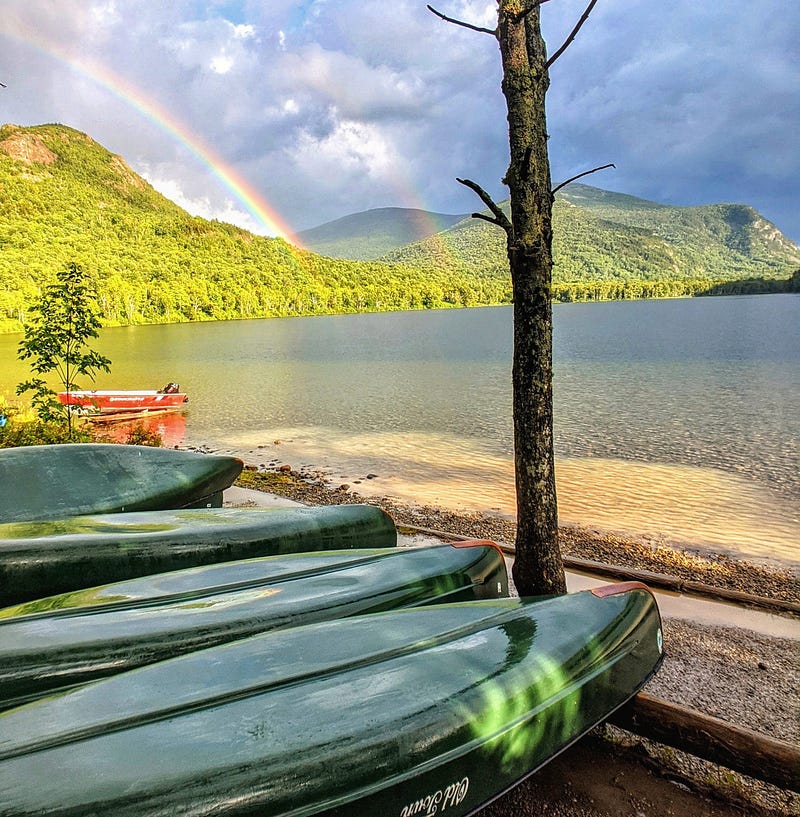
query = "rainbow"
x=134 y=97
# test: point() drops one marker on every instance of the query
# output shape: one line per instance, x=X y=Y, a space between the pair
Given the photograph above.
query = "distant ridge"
x=372 y=233
x=607 y=238
x=65 y=198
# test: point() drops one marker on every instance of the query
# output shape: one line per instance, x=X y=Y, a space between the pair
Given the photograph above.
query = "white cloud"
x=243 y=32
x=357 y=89
x=221 y=64
x=225 y=210
x=477 y=12
x=351 y=148
x=334 y=106
x=104 y=14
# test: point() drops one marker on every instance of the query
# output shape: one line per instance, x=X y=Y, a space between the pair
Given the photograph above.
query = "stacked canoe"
x=53 y=481
x=287 y=662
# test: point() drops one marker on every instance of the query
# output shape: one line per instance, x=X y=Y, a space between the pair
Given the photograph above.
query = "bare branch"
x=500 y=218
x=447 y=19
x=580 y=175
x=486 y=218
x=3 y=86
x=573 y=34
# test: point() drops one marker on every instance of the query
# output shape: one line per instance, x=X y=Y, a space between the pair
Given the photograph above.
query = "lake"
x=676 y=419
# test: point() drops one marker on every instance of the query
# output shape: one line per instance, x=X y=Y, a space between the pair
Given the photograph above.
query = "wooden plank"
x=735 y=747
x=679 y=585
x=664 y=581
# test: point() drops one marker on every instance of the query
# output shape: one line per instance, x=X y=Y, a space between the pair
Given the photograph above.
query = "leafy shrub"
x=18 y=432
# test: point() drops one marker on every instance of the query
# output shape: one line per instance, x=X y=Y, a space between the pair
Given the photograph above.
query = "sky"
x=279 y=115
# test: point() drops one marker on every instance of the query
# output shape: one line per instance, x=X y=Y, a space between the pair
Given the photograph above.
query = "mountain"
x=368 y=235
x=613 y=245
x=65 y=198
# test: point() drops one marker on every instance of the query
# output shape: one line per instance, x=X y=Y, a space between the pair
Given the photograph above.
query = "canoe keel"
x=57 y=481
x=63 y=641
x=51 y=557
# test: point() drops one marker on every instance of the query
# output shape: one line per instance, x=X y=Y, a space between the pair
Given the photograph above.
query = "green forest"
x=66 y=199
x=629 y=248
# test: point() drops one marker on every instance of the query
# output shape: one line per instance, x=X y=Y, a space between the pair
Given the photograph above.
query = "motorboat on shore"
x=122 y=401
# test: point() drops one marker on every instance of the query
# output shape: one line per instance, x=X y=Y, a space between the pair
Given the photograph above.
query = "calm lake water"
x=676 y=419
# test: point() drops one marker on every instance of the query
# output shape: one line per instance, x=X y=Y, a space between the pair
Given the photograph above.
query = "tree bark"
x=537 y=568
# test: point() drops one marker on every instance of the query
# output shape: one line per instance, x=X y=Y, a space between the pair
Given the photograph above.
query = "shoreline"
x=682 y=560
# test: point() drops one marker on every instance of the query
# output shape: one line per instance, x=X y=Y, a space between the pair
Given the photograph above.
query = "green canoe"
x=54 y=481
x=406 y=713
x=40 y=559
x=104 y=631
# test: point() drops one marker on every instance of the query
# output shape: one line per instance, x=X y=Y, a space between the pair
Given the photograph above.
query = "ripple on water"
x=702 y=507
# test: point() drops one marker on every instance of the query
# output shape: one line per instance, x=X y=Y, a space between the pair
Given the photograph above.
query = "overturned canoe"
x=412 y=712
x=54 y=481
x=39 y=559
x=107 y=630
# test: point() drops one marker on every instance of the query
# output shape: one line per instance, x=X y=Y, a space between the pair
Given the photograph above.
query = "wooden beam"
x=678 y=585
x=673 y=583
x=742 y=750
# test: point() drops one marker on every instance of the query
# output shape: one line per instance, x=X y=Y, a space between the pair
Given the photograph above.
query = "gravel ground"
x=738 y=675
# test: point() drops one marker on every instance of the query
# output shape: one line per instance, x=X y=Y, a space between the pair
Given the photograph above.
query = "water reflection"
x=171 y=428
x=671 y=417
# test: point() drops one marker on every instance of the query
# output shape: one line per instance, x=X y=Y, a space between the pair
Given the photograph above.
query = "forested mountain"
x=368 y=235
x=610 y=245
x=65 y=198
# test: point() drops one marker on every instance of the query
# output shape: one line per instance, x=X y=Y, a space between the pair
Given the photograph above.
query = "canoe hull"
x=39 y=559
x=407 y=713
x=84 y=636
x=56 y=481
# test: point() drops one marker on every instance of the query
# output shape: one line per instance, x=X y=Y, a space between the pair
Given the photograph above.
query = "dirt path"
x=596 y=779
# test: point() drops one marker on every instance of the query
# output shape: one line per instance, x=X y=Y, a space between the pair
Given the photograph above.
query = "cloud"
x=694 y=106
x=226 y=210
x=330 y=107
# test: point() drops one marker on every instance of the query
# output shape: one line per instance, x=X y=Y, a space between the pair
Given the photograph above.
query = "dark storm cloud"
x=329 y=107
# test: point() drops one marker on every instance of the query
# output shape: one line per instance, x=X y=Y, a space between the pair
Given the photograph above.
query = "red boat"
x=170 y=398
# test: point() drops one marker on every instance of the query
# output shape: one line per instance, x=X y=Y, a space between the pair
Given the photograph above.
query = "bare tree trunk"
x=537 y=568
